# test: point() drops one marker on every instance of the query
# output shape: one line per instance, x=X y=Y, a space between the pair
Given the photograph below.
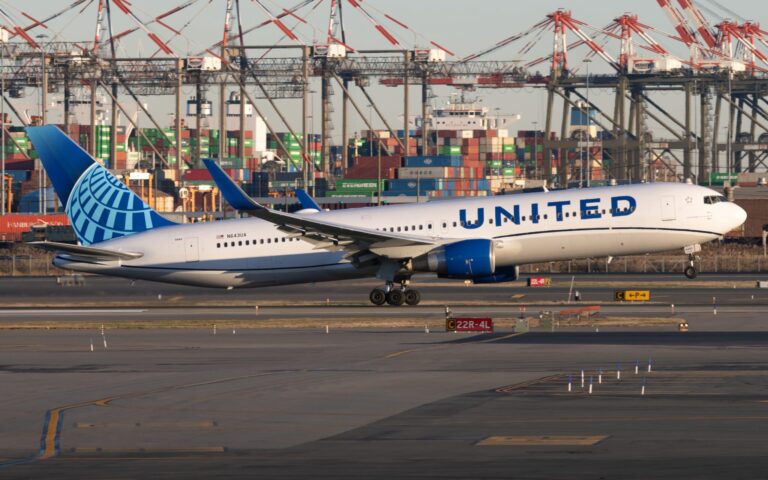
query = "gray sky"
x=462 y=26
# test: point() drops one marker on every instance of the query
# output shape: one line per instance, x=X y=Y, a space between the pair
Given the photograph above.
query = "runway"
x=99 y=292
x=383 y=402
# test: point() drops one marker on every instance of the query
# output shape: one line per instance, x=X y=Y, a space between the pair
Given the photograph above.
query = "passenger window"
x=283 y=239
x=247 y=242
x=398 y=229
x=261 y=241
x=225 y=244
x=445 y=225
x=406 y=228
x=240 y=243
x=454 y=224
x=218 y=245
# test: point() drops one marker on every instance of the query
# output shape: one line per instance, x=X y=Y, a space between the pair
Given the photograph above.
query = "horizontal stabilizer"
x=86 y=252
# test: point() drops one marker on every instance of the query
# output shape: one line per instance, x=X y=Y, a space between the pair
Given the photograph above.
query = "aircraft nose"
x=739 y=215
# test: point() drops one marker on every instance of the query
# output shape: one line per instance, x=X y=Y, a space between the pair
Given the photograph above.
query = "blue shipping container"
x=434 y=161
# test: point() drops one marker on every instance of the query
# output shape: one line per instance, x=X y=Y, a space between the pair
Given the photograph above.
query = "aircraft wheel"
x=395 y=297
x=378 y=296
x=412 y=296
x=690 y=271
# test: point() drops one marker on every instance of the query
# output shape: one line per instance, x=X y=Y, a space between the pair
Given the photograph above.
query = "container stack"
x=357 y=187
x=293 y=155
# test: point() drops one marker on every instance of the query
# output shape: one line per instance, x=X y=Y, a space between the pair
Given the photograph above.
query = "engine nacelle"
x=503 y=274
x=466 y=259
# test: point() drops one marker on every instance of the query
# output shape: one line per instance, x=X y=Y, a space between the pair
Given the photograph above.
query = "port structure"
x=724 y=73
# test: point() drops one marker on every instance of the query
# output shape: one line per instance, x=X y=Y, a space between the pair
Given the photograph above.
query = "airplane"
x=480 y=239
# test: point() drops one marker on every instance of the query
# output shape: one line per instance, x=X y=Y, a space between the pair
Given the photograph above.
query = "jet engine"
x=465 y=259
x=502 y=274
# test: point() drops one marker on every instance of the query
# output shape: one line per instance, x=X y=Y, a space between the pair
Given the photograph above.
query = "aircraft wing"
x=313 y=229
x=85 y=252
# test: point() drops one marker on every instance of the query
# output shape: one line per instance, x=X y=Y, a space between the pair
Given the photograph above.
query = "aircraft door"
x=191 y=250
x=668 y=207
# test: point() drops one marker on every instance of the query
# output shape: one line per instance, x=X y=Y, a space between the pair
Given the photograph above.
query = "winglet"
x=306 y=200
x=235 y=196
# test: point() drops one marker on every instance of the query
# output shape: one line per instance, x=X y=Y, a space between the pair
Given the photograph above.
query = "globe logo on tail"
x=101 y=207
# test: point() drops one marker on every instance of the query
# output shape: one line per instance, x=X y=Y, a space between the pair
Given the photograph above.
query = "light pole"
x=728 y=160
x=378 y=158
x=3 y=36
x=588 y=170
x=536 y=151
x=43 y=94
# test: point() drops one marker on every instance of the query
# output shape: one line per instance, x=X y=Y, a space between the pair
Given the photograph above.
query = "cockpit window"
x=712 y=199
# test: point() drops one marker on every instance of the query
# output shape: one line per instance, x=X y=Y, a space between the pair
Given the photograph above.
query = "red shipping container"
x=236 y=134
x=13 y=225
x=448 y=133
x=197 y=174
x=19 y=164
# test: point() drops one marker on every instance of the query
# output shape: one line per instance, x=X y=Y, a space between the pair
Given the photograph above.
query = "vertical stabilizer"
x=99 y=206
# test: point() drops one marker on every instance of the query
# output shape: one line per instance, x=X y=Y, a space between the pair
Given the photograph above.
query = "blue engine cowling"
x=502 y=274
x=465 y=259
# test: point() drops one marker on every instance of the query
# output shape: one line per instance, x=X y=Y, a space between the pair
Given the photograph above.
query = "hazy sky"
x=461 y=26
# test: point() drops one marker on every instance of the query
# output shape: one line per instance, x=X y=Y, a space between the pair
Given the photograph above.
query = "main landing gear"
x=395 y=296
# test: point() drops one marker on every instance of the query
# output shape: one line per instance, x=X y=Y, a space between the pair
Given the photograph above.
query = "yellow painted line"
x=544 y=440
x=50 y=435
x=50 y=429
x=517 y=296
x=402 y=352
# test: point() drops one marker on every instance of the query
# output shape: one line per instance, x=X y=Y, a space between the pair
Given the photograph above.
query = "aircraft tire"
x=412 y=296
x=378 y=296
x=395 y=297
x=690 y=272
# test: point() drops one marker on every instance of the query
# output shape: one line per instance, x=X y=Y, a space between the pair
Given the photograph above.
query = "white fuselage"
x=525 y=228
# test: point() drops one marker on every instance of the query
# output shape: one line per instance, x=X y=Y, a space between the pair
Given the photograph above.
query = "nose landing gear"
x=395 y=296
x=690 y=271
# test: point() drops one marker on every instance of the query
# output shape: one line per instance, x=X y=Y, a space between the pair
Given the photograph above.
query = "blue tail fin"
x=98 y=205
x=306 y=200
